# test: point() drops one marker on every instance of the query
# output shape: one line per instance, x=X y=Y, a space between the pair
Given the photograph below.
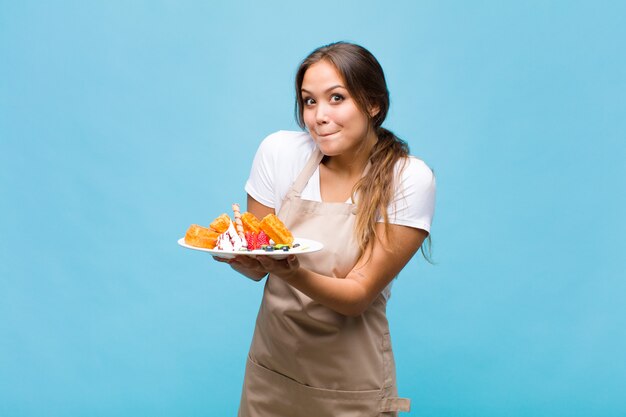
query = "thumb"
x=292 y=261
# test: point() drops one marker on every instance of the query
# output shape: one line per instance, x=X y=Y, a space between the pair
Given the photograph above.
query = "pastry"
x=276 y=230
x=201 y=237
x=250 y=223
x=238 y=224
x=246 y=233
x=221 y=223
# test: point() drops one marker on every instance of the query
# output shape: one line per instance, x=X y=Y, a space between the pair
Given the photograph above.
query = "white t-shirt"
x=282 y=156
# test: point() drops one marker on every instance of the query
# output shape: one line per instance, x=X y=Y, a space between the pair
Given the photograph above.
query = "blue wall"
x=121 y=123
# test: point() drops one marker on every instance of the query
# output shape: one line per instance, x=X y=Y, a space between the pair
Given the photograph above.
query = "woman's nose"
x=321 y=114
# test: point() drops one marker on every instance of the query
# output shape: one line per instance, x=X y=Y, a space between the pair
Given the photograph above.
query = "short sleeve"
x=277 y=162
x=414 y=200
x=260 y=184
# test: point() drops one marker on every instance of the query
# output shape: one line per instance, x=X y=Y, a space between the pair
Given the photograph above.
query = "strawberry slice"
x=251 y=238
x=262 y=239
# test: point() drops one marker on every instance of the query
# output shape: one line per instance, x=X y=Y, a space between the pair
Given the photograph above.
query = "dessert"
x=276 y=230
x=201 y=237
x=230 y=240
x=238 y=224
x=221 y=223
x=257 y=240
x=250 y=223
x=245 y=233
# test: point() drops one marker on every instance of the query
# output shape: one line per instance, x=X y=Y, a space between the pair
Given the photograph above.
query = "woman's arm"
x=381 y=262
x=383 y=259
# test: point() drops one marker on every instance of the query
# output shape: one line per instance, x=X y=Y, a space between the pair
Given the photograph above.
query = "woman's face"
x=330 y=114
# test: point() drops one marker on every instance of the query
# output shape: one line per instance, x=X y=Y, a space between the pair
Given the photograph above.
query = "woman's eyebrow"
x=304 y=90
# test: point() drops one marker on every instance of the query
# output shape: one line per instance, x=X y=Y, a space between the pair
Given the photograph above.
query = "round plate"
x=306 y=246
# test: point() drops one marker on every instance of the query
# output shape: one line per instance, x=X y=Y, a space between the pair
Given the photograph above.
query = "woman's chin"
x=328 y=150
x=328 y=146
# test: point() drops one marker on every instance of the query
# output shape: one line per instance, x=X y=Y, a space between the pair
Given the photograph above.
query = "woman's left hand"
x=285 y=268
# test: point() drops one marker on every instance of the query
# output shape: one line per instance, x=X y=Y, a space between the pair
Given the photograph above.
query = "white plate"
x=306 y=246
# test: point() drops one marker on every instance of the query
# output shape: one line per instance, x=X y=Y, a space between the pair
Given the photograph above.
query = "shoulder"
x=287 y=141
x=414 y=197
x=279 y=159
x=415 y=172
x=286 y=152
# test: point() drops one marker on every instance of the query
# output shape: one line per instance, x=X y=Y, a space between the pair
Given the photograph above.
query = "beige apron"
x=306 y=360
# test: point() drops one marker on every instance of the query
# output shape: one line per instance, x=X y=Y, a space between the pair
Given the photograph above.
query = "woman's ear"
x=373 y=110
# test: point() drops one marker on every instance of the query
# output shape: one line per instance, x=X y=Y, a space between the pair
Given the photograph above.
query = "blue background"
x=121 y=123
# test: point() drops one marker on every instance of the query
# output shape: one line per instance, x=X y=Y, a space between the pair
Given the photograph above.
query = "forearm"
x=343 y=295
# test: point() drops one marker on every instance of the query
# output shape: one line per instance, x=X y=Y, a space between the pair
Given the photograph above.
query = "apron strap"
x=307 y=172
x=395 y=404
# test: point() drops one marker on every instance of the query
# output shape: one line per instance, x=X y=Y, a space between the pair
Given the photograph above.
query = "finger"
x=224 y=260
x=292 y=261
x=246 y=260
x=264 y=260
x=247 y=263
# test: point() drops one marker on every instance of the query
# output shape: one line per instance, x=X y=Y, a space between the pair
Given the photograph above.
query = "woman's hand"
x=258 y=267
x=245 y=265
x=286 y=268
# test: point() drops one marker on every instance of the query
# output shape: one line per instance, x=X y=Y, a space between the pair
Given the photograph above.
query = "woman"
x=321 y=345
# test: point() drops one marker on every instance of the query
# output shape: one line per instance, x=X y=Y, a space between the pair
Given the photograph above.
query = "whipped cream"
x=230 y=240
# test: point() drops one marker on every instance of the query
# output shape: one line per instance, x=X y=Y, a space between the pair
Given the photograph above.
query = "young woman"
x=321 y=345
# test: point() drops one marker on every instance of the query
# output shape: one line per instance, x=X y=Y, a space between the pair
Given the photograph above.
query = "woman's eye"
x=308 y=101
x=336 y=98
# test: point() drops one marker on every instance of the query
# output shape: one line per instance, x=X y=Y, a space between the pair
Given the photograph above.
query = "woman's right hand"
x=245 y=265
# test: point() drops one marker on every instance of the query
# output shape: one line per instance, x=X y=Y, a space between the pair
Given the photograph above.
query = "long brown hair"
x=365 y=80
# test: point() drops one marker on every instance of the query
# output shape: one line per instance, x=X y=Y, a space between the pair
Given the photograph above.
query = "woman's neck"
x=351 y=164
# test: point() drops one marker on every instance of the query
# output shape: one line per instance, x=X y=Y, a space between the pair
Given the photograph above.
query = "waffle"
x=250 y=223
x=276 y=230
x=221 y=223
x=201 y=237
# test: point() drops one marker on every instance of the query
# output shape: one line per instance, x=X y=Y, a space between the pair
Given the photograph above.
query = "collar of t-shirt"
x=311 y=190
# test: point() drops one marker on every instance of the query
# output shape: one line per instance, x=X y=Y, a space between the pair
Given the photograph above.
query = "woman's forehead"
x=322 y=75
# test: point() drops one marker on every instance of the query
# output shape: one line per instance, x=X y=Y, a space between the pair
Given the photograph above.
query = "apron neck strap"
x=307 y=172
